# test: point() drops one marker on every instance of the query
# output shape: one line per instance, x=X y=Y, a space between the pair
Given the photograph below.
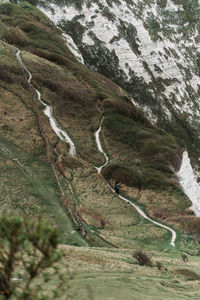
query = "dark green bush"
x=127 y=109
x=142 y=258
x=141 y=177
x=151 y=144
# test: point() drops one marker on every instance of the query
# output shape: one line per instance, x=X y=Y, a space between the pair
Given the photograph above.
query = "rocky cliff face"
x=149 y=48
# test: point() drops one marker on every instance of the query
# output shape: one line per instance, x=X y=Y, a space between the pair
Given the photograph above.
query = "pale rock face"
x=148 y=41
x=189 y=184
x=73 y=48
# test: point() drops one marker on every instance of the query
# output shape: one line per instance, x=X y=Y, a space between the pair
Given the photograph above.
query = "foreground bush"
x=28 y=248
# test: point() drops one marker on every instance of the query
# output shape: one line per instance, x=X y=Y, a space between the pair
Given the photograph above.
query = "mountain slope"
x=149 y=48
x=142 y=156
x=40 y=177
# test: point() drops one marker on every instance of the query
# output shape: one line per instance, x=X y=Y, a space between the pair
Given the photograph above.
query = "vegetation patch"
x=142 y=258
x=188 y=274
x=29 y=251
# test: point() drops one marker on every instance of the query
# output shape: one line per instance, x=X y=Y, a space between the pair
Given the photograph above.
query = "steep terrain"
x=41 y=176
x=149 y=48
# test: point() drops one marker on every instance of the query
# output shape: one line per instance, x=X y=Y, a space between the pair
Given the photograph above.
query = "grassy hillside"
x=142 y=156
x=115 y=274
x=39 y=177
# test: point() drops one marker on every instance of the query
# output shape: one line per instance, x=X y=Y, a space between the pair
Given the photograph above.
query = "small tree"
x=28 y=249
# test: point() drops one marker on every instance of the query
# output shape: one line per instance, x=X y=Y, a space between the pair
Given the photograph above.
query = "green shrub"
x=126 y=175
x=152 y=144
x=127 y=109
x=28 y=249
x=184 y=257
x=40 y=31
x=10 y=68
x=51 y=84
x=54 y=57
x=141 y=177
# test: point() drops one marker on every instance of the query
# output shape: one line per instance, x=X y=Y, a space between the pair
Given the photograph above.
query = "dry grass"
x=15 y=36
x=187 y=274
x=189 y=224
x=92 y=217
x=27 y=130
x=115 y=273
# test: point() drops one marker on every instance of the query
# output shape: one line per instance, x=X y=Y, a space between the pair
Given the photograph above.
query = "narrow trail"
x=98 y=142
x=48 y=111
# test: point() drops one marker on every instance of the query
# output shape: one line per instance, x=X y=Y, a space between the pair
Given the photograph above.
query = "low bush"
x=128 y=176
x=125 y=108
x=155 y=148
x=142 y=258
x=141 y=177
x=184 y=257
x=95 y=217
x=55 y=58
x=159 y=265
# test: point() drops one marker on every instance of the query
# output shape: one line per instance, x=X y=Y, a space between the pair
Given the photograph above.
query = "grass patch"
x=187 y=274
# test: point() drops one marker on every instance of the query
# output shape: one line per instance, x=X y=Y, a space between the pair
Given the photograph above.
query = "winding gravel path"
x=99 y=169
x=98 y=142
x=48 y=111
